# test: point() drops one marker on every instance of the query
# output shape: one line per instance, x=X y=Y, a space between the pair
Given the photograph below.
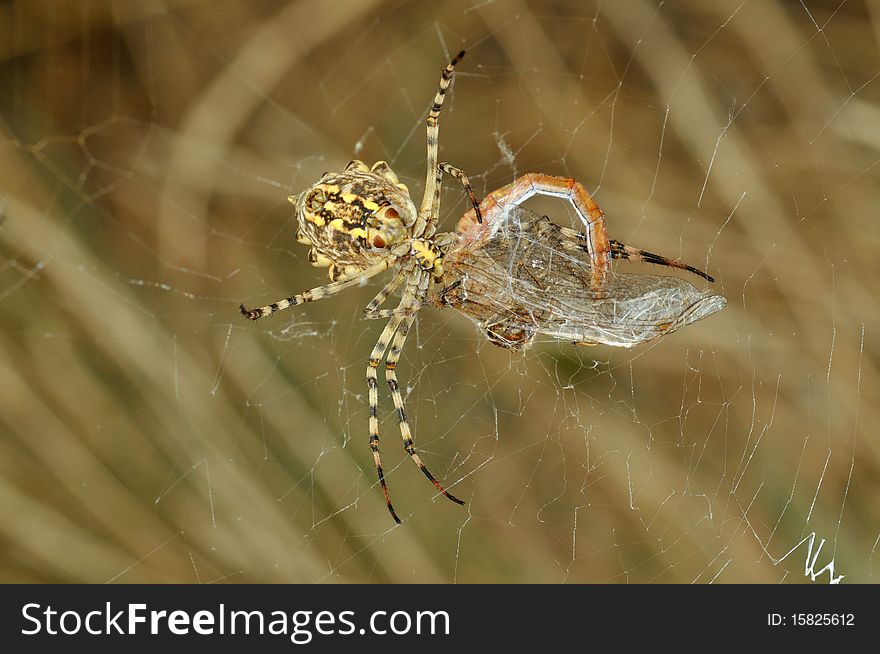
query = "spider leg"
x=431 y=199
x=381 y=314
x=373 y=386
x=405 y=432
x=621 y=251
x=371 y=310
x=319 y=292
x=459 y=174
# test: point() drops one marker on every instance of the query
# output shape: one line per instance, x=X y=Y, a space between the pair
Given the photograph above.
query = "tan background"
x=149 y=433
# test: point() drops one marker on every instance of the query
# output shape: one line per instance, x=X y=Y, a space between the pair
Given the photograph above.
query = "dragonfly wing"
x=527 y=276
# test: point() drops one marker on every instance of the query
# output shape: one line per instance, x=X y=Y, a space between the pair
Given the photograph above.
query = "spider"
x=362 y=222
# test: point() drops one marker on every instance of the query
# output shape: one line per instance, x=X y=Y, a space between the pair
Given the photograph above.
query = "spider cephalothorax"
x=353 y=218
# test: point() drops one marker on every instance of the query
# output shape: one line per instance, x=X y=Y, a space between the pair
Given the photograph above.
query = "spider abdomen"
x=352 y=219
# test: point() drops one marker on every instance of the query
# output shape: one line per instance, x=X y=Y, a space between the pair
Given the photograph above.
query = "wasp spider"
x=362 y=221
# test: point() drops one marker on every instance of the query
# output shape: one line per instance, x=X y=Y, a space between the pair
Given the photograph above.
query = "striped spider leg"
x=429 y=210
x=389 y=347
x=319 y=292
x=361 y=222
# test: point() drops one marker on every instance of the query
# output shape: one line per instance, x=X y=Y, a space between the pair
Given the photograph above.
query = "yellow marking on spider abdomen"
x=338 y=224
x=351 y=198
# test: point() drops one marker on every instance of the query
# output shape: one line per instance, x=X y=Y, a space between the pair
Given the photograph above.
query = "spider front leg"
x=319 y=292
x=430 y=206
x=458 y=173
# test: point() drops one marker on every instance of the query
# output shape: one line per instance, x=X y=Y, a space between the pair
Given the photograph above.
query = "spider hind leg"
x=405 y=432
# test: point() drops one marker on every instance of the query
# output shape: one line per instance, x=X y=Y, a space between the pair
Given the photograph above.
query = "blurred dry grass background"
x=150 y=434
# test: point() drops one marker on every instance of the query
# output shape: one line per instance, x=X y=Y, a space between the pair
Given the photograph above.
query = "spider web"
x=152 y=434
